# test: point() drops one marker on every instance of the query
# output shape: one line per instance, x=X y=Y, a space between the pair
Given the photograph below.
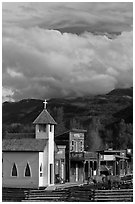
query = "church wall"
x=51 y=145
x=20 y=159
x=43 y=134
x=51 y=155
x=43 y=158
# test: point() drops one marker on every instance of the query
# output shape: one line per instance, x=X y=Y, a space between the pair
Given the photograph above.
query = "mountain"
x=79 y=112
x=111 y=105
x=114 y=103
x=122 y=92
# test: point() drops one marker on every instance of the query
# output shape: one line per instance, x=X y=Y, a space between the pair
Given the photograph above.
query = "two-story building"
x=74 y=154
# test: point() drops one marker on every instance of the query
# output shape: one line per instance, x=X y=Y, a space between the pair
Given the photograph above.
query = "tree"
x=123 y=135
x=74 y=123
x=60 y=121
x=93 y=139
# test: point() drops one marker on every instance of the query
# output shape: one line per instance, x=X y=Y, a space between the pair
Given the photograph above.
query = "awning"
x=121 y=157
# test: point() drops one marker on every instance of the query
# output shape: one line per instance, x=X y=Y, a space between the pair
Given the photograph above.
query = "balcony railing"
x=77 y=156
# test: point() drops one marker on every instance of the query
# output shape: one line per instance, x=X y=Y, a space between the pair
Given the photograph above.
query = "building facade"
x=60 y=163
x=114 y=162
x=29 y=162
x=74 y=154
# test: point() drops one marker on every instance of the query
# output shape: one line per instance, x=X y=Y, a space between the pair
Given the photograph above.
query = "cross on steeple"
x=45 y=103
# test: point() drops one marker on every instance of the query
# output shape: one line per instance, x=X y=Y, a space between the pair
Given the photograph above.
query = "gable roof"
x=19 y=135
x=44 y=118
x=32 y=145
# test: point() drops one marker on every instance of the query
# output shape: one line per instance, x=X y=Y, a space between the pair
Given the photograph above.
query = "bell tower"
x=44 y=129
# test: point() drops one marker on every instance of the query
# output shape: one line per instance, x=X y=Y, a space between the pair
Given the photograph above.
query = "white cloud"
x=54 y=64
x=13 y=73
x=7 y=94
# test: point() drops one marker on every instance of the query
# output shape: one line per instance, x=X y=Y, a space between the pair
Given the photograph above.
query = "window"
x=91 y=164
x=76 y=146
x=72 y=145
x=81 y=146
x=51 y=173
x=14 y=170
x=95 y=165
x=42 y=128
x=51 y=128
x=27 y=171
x=41 y=170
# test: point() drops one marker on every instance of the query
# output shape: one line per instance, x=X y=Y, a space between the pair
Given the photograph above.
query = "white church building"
x=29 y=162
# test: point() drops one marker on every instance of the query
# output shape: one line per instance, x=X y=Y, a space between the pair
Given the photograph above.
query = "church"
x=29 y=162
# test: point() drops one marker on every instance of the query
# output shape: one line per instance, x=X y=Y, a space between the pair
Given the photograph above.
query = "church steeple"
x=44 y=124
x=44 y=127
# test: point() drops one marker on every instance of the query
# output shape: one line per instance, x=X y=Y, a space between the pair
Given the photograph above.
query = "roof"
x=78 y=130
x=71 y=130
x=121 y=157
x=109 y=151
x=90 y=155
x=32 y=145
x=19 y=135
x=44 y=118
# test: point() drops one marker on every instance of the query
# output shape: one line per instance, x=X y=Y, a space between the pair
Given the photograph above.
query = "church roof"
x=44 y=118
x=19 y=135
x=32 y=145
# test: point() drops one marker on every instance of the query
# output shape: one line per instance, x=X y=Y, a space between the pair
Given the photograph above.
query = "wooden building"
x=29 y=162
x=74 y=154
x=90 y=164
x=60 y=163
x=114 y=162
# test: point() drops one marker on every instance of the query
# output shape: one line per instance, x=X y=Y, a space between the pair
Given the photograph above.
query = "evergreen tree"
x=75 y=124
x=93 y=139
x=60 y=121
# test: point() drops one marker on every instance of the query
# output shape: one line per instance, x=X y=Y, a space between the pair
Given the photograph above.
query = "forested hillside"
x=108 y=118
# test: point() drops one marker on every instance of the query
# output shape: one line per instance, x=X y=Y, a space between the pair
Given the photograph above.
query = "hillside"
x=73 y=112
x=25 y=111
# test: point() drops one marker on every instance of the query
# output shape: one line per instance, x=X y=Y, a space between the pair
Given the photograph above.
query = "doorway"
x=51 y=173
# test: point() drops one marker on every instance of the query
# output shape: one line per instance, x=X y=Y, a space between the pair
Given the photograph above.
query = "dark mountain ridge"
x=26 y=110
x=107 y=116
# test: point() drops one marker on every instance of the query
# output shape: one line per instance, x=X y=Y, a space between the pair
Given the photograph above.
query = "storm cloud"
x=41 y=62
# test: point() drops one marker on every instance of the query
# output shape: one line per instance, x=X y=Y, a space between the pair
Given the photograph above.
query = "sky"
x=52 y=50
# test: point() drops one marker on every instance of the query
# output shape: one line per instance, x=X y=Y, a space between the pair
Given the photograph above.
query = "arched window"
x=27 y=170
x=41 y=170
x=41 y=167
x=14 y=170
